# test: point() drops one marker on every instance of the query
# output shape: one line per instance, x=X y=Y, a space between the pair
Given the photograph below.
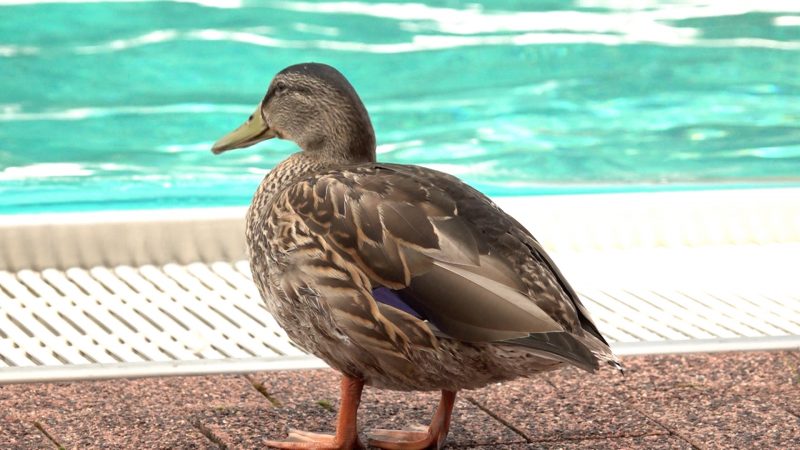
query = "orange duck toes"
x=398 y=276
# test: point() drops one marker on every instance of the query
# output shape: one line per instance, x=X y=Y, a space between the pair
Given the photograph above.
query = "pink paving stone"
x=21 y=435
x=738 y=398
x=150 y=393
x=728 y=371
x=720 y=419
x=123 y=429
x=146 y=413
x=543 y=413
x=733 y=370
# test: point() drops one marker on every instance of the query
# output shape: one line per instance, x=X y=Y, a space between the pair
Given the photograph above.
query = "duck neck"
x=347 y=147
x=287 y=172
x=343 y=135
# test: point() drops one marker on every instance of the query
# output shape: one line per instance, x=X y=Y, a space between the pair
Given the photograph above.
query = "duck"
x=397 y=276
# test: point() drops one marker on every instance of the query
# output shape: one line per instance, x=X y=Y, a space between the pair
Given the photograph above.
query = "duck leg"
x=346 y=436
x=417 y=440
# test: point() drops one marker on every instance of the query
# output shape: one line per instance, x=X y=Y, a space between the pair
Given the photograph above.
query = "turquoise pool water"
x=108 y=105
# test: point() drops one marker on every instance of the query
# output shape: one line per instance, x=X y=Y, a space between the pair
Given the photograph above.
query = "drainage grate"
x=194 y=318
x=208 y=318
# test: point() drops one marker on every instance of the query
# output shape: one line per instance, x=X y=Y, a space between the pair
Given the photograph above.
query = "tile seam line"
x=38 y=425
x=744 y=397
x=665 y=427
x=209 y=434
x=601 y=438
x=262 y=390
x=791 y=412
x=500 y=419
x=589 y=438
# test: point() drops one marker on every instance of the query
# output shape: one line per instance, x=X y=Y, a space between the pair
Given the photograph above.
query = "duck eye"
x=250 y=118
x=280 y=87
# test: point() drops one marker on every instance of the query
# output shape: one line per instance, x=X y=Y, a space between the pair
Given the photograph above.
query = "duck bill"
x=251 y=132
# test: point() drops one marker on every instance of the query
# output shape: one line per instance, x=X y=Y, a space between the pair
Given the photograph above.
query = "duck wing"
x=439 y=257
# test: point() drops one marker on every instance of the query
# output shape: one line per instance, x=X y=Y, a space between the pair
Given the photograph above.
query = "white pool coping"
x=588 y=222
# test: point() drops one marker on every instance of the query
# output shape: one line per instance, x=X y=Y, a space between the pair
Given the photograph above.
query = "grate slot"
x=45 y=324
x=5 y=292
x=123 y=321
x=60 y=358
x=5 y=362
x=13 y=355
x=97 y=322
x=152 y=322
x=19 y=325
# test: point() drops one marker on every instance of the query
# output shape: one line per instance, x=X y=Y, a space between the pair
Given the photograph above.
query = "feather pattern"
x=468 y=273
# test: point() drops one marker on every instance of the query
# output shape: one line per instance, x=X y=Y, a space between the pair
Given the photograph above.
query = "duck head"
x=316 y=107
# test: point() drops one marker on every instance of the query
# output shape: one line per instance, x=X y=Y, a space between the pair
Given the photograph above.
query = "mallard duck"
x=398 y=276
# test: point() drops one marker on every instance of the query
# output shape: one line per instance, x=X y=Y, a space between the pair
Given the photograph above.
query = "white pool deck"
x=168 y=292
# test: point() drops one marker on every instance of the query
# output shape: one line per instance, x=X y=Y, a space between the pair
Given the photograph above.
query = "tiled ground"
x=735 y=400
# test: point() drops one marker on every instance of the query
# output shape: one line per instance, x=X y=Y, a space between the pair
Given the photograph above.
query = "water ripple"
x=430 y=42
x=44 y=170
x=208 y=3
x=437 y=28
x=8 y=51
x=12 y=113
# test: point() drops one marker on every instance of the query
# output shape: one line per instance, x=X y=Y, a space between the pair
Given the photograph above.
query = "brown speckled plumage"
x=329 y=224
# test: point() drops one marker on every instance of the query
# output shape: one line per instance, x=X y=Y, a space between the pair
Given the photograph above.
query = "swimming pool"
x=114 y=104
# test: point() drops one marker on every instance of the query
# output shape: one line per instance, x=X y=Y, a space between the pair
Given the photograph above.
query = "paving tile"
x=790 y=401
x=166 y=394
x=144 y=413
x=543 y=413
x=720 y=418
x=292 y=387
x=21 y=434
x=195 y=392
x=733 y=370
x=728 y=371
x=310 y=399
x=783 y=395
x=757 y=392
x=134 y=429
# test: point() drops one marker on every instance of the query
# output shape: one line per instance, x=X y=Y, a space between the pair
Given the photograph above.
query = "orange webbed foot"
x=306 y=440
x=417 y=439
